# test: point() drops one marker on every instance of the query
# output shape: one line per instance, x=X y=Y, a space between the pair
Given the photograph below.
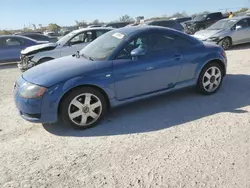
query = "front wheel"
x=225 y=43
x=83 y=108
x=210 y=79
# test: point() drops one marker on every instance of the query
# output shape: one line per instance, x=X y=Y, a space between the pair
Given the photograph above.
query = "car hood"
x=205 y=34
x=53 y=72
x=38 y=48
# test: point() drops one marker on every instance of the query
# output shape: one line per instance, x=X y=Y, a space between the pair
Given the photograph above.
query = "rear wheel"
x=226 y=43
x=83 y=108
x=210 y=79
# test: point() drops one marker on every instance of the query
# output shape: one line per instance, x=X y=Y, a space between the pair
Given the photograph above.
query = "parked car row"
x=38 y=36
x=206 y=27
x=67 y=45
x=227 y=32
x=202 y=21
x=119 y=66
x=11 y=46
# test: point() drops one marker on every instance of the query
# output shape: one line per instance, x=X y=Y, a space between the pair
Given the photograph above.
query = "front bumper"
x=190 y=29
x=25 y=63
x=40 y=110
x=24 y=66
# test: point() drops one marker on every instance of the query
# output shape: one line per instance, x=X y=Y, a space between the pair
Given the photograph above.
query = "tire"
x=210 y=79
x=43 y=60
x=77 y=108
x=226 y=43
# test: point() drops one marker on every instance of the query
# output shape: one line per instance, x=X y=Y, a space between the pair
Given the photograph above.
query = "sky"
x=15 y=14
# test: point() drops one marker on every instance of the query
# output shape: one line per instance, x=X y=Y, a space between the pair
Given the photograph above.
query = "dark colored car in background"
x=182 y=19
x=91 y=26
x=202 y=21
x=11 y=46
x=166 y=23
x=117 y=24
x=38 y=37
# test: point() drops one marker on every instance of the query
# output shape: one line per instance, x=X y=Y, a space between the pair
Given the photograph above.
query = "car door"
x=10 y=48
x=77 y=43
x=212 y=18
x=167 y=62
x=241 y=35
x=132 y=76
x=157 y=70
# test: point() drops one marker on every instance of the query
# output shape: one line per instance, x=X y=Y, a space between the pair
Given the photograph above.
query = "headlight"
x=213 y=39
x=26 y=58
x=31 y=91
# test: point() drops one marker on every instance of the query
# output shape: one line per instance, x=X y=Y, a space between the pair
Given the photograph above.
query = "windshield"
x=222 y=24
x=65 y=39
x=103 y=46
x=200 y=17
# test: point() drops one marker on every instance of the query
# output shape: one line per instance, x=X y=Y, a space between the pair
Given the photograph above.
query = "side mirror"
x=238 y=27
x=138 y=52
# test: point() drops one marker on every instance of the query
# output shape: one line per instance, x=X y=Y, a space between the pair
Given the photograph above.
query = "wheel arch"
x=219 y=61
x=43 y=58
x=102 y=91
x=230 y=38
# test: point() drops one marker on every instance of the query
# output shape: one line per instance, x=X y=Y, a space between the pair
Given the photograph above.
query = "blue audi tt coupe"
x=120 y=66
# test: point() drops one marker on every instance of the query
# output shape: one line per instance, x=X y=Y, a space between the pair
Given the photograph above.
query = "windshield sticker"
x=118 y=35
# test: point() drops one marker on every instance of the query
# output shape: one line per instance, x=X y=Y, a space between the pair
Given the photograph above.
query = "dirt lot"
x=176 y=140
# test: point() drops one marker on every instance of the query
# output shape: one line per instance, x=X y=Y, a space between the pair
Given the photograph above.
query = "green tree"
x=54 y=27
x=95 y=22
x=81 y=23
x=126 y=18
x=177 y=15
x=26 y=29
x=5 y=32
x=241 y=10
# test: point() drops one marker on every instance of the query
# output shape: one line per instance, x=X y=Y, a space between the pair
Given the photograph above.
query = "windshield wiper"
x=89 y=58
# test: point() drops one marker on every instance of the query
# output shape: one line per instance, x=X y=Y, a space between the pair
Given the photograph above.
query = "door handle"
x=178 y=57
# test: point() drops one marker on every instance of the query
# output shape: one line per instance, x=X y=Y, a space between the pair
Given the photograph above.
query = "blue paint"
x=123 y=80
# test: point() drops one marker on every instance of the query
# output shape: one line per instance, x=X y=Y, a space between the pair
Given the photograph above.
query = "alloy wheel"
x=225 y=44
x=85 y=109
x=212 y=79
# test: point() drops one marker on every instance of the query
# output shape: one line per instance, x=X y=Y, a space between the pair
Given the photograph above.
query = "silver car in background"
x=67 y=45
x=227 y=32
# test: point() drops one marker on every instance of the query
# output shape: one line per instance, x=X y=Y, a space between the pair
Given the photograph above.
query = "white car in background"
x=67 y=45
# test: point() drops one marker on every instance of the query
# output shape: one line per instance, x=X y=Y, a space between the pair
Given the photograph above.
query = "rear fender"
x=215 y=56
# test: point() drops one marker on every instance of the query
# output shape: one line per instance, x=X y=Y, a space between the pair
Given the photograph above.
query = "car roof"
x=141 y=28
x=93 y=28
x=15 y=36
x=165 y=20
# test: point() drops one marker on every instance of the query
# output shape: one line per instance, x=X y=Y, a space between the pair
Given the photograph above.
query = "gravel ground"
x=176 y=140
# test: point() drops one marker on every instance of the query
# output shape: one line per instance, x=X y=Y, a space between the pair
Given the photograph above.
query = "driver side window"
x=139 y=42
x=82 y=38
x=243 y=23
